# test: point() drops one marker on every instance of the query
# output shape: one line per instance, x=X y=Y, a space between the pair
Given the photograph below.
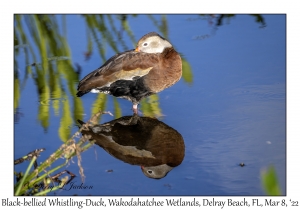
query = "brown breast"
x=166 y=73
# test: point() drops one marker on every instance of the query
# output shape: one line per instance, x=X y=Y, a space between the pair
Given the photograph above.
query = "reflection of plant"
x=218 y=20
x=49 y=66
x=41 y=181
x=150 y=106
x=16 y=91
x=48 y=62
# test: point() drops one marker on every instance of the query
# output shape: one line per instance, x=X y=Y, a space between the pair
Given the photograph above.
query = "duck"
x=144 y=141
x=151 y=67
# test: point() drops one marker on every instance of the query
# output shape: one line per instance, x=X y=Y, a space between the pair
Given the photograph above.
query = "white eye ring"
x=145 y=44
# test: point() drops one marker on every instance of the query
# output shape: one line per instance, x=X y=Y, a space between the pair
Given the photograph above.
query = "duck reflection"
x=143 y=141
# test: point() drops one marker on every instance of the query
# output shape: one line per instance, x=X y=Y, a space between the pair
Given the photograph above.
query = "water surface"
x=229 y=106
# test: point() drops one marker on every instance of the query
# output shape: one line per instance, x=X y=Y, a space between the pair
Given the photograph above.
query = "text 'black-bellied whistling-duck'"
x=151 y=67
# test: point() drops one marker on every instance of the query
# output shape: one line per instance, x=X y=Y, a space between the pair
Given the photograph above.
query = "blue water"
x=234 y=110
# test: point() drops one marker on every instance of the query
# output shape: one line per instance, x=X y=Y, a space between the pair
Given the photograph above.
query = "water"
x=229 y=107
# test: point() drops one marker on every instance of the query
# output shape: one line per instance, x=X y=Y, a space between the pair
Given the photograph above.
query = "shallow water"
x=229 y=106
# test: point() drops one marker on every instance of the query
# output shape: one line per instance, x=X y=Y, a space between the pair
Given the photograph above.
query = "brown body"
x=147 y=143
x=167 y=72
x=136 y=74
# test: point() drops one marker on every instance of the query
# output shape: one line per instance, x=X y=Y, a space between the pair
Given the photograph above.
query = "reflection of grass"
x=49 y=62
x=187 y=73
x=117 y=109
x=52 y=64
x=16 y=92
x=161 y=24
x=30 y=183
x=45 y=43
x=99 y=103
x=150 y=106
x=65 y=122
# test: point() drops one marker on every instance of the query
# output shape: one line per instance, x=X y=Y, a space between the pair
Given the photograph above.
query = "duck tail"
x=81 y=93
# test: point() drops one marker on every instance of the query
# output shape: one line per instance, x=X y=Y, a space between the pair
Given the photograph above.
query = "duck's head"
x=156 y=172
x=152 y=43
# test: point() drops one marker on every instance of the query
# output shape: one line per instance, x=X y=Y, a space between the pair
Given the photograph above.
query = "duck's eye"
x=150 y=172
x=145 y=44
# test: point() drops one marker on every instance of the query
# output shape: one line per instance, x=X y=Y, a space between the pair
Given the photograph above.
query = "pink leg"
x=135 y=109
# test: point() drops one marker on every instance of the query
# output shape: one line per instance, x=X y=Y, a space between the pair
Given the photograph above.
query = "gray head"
x=152 y=43
x=156 y=172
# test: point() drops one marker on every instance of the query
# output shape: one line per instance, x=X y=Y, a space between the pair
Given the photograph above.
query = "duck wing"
x=127 y=65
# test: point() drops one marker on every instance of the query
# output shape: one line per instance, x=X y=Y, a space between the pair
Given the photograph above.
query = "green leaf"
x=270 y=181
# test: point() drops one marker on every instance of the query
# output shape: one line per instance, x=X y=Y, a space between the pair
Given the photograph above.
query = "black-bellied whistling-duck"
x=151 y=67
